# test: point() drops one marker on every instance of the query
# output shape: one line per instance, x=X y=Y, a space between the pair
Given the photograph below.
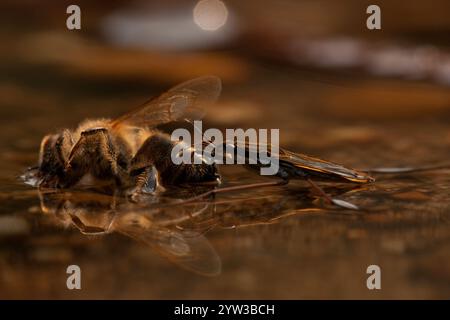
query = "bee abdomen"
x=189 y=173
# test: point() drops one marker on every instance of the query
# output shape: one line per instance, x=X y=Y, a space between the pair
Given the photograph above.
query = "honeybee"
x=131 y=153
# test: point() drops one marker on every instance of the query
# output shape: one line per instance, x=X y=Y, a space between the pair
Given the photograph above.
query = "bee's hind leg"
x=146 y=182
x=337 y=202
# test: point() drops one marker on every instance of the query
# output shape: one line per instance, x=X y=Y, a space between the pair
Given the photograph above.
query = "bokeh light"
x=210 y=15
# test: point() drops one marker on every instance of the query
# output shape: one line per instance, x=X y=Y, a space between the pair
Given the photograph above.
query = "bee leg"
x=93 y=153
x=324 y=195
x=146 y=182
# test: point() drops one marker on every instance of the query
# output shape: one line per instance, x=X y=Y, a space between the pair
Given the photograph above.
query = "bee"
x=131 y=152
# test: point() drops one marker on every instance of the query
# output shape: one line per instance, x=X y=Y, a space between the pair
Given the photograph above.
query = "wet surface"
x=275 y=243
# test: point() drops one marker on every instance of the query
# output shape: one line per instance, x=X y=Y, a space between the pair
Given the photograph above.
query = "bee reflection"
x=170 y=228
x=98 y=214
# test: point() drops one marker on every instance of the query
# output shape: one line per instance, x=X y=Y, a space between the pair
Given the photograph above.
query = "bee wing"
x=314 y=164
x=188 y=249
x=186 y=100
x=305 y=162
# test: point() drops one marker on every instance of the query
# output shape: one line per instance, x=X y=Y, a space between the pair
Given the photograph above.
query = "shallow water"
x=273 y=243
x=279 y=242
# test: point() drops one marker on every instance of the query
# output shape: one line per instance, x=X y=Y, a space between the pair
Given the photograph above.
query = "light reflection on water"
x=406 y=214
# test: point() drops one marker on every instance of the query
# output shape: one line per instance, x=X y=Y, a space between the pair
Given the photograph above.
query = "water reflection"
x=97 y=214
x=175 y=232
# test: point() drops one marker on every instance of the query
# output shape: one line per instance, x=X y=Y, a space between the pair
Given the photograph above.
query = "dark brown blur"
x=335 y=89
